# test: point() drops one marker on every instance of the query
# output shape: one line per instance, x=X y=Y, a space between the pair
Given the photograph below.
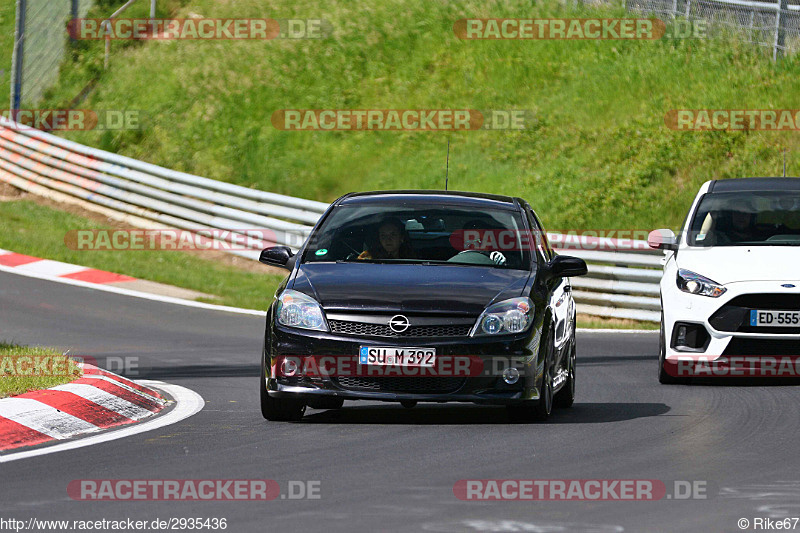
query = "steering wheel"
x=479 y=257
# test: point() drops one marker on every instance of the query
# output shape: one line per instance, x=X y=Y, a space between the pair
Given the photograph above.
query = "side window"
x=541 y=242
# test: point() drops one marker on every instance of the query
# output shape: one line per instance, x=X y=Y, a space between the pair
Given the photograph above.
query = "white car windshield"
x=747 y=219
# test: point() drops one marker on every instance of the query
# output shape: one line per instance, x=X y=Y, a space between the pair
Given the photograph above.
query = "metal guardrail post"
x=107 y=25
x=780 y=32
x=107 y=57
x=73 y=14
x=19 y=58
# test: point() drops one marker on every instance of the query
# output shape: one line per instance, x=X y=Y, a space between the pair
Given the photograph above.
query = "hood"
x=730 y=264
x=408 y=288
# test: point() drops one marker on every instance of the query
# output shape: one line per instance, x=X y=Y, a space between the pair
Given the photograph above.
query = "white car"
x=731 y=284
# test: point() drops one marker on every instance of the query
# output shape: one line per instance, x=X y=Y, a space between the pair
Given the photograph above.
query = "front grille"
x=734 y=316
x=754 y=346
x=782 y=302
x=426 y=385
x=363 y=329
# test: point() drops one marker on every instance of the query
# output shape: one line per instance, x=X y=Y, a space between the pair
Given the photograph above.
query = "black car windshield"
x=747 y=219
x=422 y=234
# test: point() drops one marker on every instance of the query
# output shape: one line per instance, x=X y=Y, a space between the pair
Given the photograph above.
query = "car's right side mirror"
x=662 y=239
x=565 y=266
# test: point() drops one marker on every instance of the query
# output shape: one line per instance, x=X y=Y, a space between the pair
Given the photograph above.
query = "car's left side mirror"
x=565 y=266
x=280 y=256
x=662 y=239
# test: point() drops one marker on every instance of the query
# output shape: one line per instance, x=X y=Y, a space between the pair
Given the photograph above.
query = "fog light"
x=511 y=375
x=289 y=367
x=690 y=337
x=681 y=340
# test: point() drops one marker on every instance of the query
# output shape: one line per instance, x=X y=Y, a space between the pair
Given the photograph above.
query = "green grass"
x=12 y=383
x=8 y=11
x=598 y=155
x=39 y=231
x=591 y=322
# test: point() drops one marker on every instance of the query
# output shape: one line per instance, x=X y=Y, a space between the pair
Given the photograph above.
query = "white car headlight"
x=298 y=310
x=505 y=318
x=693 y=283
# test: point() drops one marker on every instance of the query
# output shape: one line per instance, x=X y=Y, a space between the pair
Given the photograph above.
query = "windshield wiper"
x=379 y=261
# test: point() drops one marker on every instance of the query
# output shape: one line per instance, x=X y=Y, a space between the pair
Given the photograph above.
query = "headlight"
x=505 y=318
x=693 y=283
x=298 y=310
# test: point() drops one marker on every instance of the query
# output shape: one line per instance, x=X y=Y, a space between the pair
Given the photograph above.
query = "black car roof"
x=755 y=184
x=430 y=196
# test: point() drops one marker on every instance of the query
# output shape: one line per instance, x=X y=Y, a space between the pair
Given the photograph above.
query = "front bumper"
x=482 y=383
x=720 y=319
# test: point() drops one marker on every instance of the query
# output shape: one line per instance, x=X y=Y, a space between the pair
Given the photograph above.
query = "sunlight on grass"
x=28 y=368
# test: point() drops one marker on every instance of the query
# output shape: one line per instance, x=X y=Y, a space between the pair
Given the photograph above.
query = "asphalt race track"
x=385 y=468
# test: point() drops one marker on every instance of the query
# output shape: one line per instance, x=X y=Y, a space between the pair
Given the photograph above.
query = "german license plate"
x=774 y=319
x=378 y=355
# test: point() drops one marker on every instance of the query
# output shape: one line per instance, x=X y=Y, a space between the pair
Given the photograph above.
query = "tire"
x=539 y=411
x=279 y=409
x=566 y=396
x=544 y=406
x=408 y=404
x=663 y=376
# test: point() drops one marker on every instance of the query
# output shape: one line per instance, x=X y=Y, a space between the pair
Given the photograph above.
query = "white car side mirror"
x=662 y=239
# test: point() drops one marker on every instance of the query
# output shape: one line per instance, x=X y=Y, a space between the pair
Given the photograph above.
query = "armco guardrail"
x=619 y=284
x=147 y=195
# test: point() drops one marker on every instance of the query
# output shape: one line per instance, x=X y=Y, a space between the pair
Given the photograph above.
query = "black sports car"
x=430 y=296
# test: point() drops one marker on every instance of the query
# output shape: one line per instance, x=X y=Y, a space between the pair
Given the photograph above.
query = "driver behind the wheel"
x=742 y=220
x=392 y=242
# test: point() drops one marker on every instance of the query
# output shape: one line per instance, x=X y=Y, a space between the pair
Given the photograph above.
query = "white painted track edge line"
x=136 y=294
x=187 y=404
